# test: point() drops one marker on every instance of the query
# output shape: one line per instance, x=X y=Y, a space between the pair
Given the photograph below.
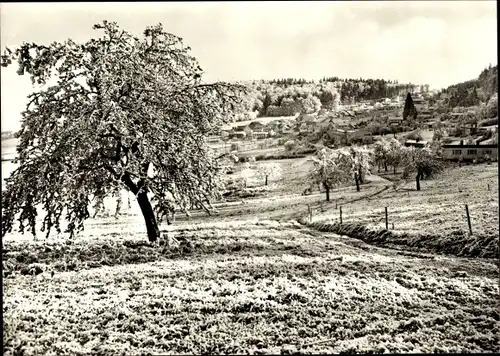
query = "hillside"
x=473 y=92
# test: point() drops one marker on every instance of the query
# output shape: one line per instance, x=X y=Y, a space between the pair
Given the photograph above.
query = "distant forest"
x=7 y=135
x=472 y=92
x=288 y=96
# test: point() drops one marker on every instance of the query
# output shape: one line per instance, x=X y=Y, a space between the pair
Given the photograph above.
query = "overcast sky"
x=423 y=42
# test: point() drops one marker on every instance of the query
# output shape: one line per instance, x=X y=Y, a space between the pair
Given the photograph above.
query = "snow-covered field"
x=260 y=287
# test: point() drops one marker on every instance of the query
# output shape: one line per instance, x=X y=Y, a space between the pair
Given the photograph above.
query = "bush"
x=385 y=130
x=414 y=135
x=281 y=141
x=290 y=145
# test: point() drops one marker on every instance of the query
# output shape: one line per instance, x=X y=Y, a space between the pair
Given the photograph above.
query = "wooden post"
x=468 y=218
x=340 y=215
x=309 y=211
x=386 y=221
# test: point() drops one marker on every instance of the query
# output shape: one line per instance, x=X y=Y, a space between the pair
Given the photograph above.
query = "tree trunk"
x=266 y=180
x=418 y=180
x=360 y=176
x=146 y=208
x=379 y=167
x=385 y=166
x=356 y=179
x=327 y=191
x=394 y=169
x=149 y=216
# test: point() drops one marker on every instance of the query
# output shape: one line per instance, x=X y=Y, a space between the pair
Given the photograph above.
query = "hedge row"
x=458 y=243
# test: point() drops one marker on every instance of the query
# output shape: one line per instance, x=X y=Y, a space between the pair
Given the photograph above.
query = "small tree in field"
x=381 y=153
x=331 y=168
x=423 y=162
x=360 y=164
x=269 y=170
x=246 y=173
x=395 y=153
x=125 y=112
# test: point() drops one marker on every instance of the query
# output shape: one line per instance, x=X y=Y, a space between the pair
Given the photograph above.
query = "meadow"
x=258 y=278
x=241 y=287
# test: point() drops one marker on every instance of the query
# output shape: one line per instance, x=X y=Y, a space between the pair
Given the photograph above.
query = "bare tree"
x=269 y=170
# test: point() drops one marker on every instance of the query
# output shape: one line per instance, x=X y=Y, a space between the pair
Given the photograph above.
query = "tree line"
x=287 y=97
x=333 y=168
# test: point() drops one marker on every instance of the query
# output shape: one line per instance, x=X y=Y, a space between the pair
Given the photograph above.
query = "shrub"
x=290 y=145
x=414 y=135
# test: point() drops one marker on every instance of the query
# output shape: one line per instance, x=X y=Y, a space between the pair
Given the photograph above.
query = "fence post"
x=386 y=221
x=341 y=215
x=468 y=218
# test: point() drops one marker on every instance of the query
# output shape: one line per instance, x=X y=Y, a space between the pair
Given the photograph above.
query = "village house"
x=259 y=135
x=428 y=125
x=239 y=135
x=420 y=103
x=225 y=131
x=466 y=152
x=425 y=114
x=213 y=139
x=241 y=129
x=469 y=129
x=275 y=125
x=256 y=126
x=457 y=115
x=415 y=143
x=394 y=121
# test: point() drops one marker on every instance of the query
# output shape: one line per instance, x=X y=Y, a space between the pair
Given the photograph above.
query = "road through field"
x=245 y=287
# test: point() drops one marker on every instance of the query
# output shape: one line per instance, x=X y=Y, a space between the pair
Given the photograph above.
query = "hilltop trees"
x=409 y=110
x=475 y=91
x=275 y=97
x=125 y=112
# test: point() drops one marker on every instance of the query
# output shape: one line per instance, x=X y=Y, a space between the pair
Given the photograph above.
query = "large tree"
x=124 y=112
